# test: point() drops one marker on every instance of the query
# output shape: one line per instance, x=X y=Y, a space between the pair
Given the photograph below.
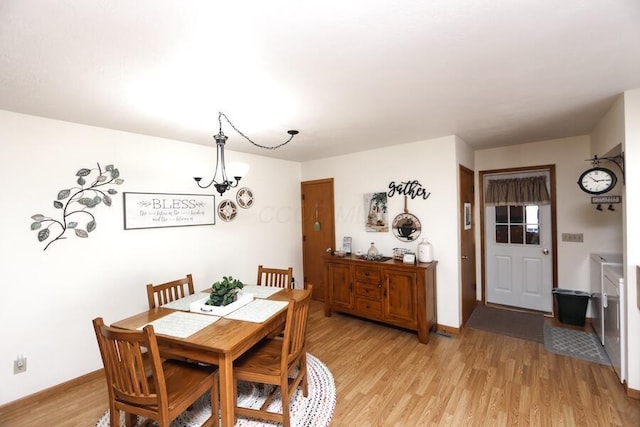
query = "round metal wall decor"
x=244 y=197
x=406 y=226
x=227 y=210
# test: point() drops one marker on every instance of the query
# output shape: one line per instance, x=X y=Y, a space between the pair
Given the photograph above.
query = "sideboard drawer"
x=368 y=290
x=369 y=308
x=368 y=274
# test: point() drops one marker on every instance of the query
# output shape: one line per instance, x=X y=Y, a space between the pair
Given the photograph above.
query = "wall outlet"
x=573 y=237
x=20 y=364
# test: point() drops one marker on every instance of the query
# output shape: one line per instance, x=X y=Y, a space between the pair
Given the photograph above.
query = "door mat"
x=573 y=343
x=517 y=324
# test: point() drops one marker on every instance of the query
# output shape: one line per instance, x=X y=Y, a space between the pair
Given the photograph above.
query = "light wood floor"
x=385 y=377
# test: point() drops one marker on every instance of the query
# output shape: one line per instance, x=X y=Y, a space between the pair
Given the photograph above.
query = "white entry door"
x=518 y=255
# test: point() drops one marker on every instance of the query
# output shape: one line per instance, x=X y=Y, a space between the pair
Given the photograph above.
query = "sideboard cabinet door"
x=340 y=286
x=399 y=298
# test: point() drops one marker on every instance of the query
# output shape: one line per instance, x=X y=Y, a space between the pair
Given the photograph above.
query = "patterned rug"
x=314 y=410
x=517 y=324
x=573 y=343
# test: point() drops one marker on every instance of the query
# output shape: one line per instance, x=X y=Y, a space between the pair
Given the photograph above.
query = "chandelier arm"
x=292 y=133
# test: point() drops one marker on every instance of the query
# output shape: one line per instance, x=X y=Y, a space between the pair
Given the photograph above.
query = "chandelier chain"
x=221 y=115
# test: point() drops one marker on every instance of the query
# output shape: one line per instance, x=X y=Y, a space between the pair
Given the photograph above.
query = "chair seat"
x=263 y=359
x=182 y=378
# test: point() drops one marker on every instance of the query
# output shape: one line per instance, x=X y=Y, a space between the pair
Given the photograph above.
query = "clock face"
x=597 y=180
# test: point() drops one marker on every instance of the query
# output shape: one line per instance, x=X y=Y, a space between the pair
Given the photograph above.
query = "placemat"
x=261 y=291
x=183 y=304
x=180 y=324
x=257 y=311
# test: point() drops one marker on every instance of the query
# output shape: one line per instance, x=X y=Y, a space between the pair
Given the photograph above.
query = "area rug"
x=314 y=410
x=574 y=343
x=517 y=324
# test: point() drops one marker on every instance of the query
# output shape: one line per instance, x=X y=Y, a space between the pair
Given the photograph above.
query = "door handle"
x=545 y=251
x=465 y=257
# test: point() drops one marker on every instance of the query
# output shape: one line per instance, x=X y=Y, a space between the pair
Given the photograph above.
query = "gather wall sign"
x=411 y=188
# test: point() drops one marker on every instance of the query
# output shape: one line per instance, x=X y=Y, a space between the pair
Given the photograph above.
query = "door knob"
x=545 y=251
x=465 y=257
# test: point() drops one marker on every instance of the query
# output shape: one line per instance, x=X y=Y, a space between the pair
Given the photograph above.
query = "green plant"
x=223 y=292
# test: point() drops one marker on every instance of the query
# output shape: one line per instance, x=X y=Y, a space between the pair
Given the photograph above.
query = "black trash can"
x=572 y=306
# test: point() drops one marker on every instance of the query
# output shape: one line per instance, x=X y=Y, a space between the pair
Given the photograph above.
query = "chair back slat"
x=170 y=291
x=280 y=278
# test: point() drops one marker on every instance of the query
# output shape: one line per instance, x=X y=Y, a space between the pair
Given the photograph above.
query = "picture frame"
x=346 y=245
x=409 y=258
x=160 y=210
x=375 y=212
x=467 y=216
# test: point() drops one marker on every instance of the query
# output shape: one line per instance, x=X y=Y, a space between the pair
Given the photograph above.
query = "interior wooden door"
x=318 y=231
x=467 y=244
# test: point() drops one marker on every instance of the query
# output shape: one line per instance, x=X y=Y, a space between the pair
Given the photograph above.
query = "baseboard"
x=632 y=393
x=448 y=329
x=48 y=392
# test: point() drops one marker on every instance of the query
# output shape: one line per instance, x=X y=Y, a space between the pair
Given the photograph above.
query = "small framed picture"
x=409 y=258
x=346 y=245
x=467 y=216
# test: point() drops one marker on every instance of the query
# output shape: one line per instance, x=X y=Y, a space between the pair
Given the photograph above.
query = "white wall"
x=50 y=297
x=607 y=139
x=632 y=231
x=434 y=164
x=609 y=132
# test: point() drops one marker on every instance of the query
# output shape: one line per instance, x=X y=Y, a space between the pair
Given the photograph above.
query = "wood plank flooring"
x=385 y=377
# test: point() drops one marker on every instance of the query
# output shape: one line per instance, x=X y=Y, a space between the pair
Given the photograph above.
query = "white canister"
x=425 y=252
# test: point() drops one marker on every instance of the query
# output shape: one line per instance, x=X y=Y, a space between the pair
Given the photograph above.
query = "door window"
x=517 y=225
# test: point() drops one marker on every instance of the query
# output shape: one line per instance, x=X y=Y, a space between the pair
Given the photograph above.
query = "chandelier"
x=236 y=170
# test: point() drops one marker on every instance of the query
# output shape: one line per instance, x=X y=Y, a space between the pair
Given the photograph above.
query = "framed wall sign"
x=156 y=210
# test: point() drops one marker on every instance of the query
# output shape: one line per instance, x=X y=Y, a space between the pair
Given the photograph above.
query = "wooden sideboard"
x=391 y=292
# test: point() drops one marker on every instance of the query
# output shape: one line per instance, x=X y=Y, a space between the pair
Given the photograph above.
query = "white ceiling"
x=350 y=75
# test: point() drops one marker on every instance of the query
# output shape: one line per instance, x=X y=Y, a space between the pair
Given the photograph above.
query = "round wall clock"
x=244 y=197
x=597 y=180
x=227 y=210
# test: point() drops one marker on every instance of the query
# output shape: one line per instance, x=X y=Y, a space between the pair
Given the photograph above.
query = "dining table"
x=217 y=340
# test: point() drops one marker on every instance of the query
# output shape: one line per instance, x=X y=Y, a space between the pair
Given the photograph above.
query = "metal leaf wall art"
x=76 y=204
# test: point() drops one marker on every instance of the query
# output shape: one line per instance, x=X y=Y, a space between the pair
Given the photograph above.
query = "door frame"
x=467 y=258
x=554 y=233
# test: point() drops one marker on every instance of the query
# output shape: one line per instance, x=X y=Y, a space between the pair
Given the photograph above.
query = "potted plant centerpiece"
x=223 y=292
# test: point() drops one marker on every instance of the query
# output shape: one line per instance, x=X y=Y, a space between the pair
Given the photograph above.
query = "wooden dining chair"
x=281 y=278
x=146 y=385
x=166 y=292
x=278 y=361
